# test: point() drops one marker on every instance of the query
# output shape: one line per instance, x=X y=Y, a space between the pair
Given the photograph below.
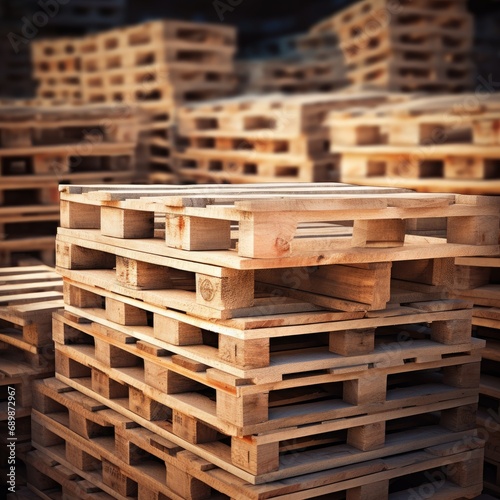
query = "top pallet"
x=284 y=225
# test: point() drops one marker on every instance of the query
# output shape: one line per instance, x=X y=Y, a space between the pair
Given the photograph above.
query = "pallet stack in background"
x=438 y=144
x=399 y=46
x=477 y=280
x=254 y=139
x=154 y=66
x=280 y=341
x=25 y=22
x=28 y=297
x=43 y=145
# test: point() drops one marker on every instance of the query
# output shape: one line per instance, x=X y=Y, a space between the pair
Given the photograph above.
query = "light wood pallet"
x=113 y=372
x=242 y=167
x=207 y=290
x=429 y=144
x=29 y=295
x=272 y=232
x=247 y=343
x=75 y=432
x=252 y=115
x=42 y=145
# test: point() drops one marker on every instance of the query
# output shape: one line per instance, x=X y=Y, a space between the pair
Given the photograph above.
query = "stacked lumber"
x=412 y=45
x=44 y=145
x=262 y=138
x=28 y=297
x=56 y=68
x=437 y=144
x=290 y=341
x=478 y=280
x=399 y=46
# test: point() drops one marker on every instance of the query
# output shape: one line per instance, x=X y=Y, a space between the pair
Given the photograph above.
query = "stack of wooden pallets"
x=406 y=45
x=477 y=280
x=312 y=63
x=262 y=138
x=158 y=65
x=441 y=144
x=42 y=146
x=400 y=46
x=56 y=68
x=28 y=297
x=290 y=341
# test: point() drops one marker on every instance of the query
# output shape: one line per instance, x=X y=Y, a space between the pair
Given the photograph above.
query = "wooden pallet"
x=256 y=335
x=348 y=288
x=29 y=296
x=430 y=144
x=158 y=61
x=239 y=170
x=421 y=121
x=38 y=123
x=81 y=423
x=268 y=227
x=253 y=115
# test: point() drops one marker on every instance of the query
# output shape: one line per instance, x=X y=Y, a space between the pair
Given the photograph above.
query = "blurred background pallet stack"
x=157 y=66
x=56 y=69
x=263 y=138
x=312 y=349
x=438 y=144
x=42 y=146
x=398 y=46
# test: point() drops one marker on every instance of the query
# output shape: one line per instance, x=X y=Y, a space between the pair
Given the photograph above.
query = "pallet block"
x=267 y=227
